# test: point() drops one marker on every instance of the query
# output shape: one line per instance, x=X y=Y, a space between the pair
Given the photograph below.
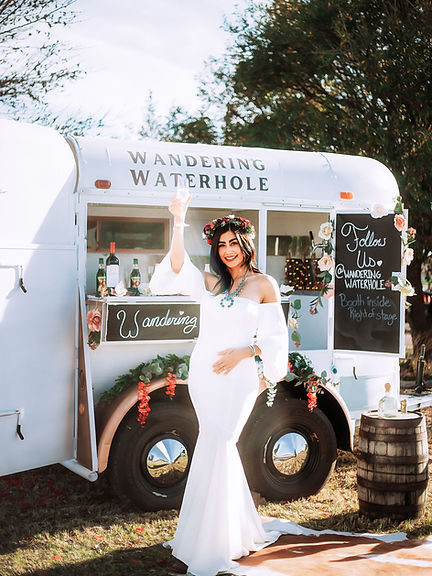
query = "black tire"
x=284 y=478
x=129 y=474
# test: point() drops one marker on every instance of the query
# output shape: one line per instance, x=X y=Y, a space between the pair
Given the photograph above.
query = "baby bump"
x=223 y=402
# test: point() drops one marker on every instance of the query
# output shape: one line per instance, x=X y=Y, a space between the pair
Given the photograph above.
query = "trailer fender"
x=108 y=418
x=334 y=407
x=336 y=410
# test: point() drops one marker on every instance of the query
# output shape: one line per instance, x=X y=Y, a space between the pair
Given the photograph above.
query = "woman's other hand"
x=229 y=358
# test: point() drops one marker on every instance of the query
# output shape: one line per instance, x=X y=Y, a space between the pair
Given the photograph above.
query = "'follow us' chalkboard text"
x=367 y=310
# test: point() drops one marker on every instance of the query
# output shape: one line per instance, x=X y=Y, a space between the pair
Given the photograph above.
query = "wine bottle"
x=101 y=279
x=112 y=269
x=387 y=406
x=135 y=277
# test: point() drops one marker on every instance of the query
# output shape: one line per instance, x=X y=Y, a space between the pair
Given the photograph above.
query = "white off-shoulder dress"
x=218 y=521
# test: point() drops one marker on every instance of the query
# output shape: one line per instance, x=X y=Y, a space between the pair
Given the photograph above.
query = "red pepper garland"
x=311 y=392
x=143 y=402
x=144 y=396
x=170 y=383
x=301 y=370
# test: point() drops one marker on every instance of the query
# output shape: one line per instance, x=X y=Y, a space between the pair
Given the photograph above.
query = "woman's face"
x=229 y=250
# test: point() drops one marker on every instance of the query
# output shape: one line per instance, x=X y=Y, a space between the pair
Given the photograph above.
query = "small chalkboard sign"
x=367 y=311
x=138 y=322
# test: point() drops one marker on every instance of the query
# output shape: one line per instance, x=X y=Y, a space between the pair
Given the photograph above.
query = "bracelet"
x=182 y=225
x=252 y=349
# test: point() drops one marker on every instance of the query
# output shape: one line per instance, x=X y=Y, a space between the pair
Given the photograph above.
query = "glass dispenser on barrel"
x=387 y=406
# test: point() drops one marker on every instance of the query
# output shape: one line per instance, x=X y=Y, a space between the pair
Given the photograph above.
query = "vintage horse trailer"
x=62 y=200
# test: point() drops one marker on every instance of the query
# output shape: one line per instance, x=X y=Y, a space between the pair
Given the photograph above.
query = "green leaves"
x=296 y=304
x=159 y=367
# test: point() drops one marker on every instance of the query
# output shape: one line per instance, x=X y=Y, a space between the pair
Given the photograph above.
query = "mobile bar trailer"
x=63 y=200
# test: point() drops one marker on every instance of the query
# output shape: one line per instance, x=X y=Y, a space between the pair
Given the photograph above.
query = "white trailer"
x=61 y=202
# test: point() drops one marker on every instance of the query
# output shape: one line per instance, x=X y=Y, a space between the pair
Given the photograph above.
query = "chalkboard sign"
x=367 y=312
x=138 y=322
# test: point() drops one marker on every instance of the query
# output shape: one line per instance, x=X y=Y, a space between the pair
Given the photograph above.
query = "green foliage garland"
x=158 y=367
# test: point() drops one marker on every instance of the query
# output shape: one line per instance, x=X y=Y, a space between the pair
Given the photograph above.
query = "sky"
x=130 y=48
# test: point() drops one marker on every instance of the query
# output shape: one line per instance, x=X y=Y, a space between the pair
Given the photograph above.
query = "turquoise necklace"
x=228 y=299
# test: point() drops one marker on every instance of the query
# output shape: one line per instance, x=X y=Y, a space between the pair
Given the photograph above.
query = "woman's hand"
x=230 y=358
x=178 y=207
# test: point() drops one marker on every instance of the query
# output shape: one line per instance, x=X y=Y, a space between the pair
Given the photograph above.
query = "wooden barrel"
x=392 y=465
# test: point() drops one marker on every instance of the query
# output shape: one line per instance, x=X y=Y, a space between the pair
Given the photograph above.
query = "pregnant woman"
x=241 y=316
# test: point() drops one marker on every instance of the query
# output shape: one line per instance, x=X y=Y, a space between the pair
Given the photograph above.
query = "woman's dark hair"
x=247 y=247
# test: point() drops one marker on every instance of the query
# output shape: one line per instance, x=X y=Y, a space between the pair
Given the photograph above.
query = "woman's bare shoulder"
x=268 y=288
x=210 y=281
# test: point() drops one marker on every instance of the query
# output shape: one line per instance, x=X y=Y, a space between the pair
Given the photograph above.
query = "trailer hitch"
x=16 y=413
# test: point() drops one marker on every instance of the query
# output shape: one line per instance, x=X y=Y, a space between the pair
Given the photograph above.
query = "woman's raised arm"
x=178 y=208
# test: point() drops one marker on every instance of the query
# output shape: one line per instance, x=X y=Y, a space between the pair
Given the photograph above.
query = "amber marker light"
x=346 y=195
x=103 y=184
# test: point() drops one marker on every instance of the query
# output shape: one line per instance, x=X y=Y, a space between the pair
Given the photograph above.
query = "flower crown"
x=240 y=223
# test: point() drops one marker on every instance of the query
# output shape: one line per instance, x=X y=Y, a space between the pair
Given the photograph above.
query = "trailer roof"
x=290 y=177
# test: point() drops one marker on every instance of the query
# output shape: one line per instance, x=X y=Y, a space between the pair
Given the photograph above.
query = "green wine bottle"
x=135 y=277
x=101 y=279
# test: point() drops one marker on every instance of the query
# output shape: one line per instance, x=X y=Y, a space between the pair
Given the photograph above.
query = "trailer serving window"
x=293 y=261
x=129 y=234
x=144 y=233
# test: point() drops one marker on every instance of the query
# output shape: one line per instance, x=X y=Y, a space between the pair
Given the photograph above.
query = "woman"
x=241 y=317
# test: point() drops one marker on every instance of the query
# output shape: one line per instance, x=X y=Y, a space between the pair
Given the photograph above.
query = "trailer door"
x=38 y=297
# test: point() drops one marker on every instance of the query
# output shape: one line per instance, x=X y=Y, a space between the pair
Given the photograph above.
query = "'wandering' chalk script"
x=152 y=322
x=188 y=323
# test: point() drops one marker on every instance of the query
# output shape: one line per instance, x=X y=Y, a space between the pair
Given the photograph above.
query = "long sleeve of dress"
x=189 y=281
x=272 y=339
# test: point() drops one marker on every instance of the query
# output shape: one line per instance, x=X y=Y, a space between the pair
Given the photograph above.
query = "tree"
x=152 y=124
x=343 y=76
x=32 y=61
x=180 y=127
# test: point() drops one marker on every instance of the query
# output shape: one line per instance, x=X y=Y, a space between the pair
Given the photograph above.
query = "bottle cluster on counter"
x=302 y=274
x=108 y=276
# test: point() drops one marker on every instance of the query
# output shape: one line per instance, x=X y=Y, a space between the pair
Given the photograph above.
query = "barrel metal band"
x=377 y=437
x=392 y=486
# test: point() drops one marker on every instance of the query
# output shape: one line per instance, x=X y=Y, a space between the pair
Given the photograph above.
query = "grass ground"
x=54 y=523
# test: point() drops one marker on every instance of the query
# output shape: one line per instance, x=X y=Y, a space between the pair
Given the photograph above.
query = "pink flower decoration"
x=330 y=291
x=94 y=320
x=400 y=222
x=325 y=263
x=407 y=256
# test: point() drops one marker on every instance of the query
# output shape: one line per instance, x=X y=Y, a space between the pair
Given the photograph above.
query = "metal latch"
x=18 y=414
x=19 y=271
